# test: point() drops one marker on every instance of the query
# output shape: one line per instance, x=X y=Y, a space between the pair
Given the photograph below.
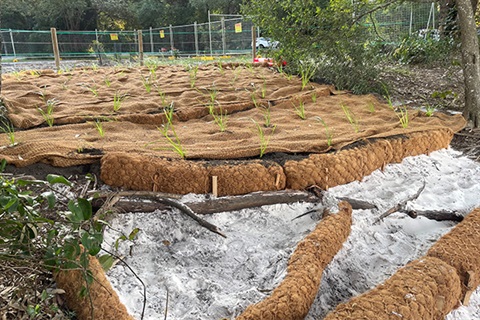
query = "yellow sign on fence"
x=162 y=34
x=114 y=36
x=238 y=27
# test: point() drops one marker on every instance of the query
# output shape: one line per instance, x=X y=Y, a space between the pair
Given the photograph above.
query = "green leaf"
x=132 y=234
x=106 y=261
x=81 y=210
x=3 y=164
x=53 y=178
x=51 y=199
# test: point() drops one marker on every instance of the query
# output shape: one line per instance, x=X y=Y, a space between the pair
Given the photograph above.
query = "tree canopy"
x=109 y=14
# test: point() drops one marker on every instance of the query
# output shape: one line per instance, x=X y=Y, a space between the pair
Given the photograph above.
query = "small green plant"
x=7 y=128
x=351 y=117
x=403 y=117
x=95 y=67
x=175 y=143
x=98 y=124
x=117 y=101
x=18 y=75
x=307 y=70
x=219 y=116
x=264 y=89
x=43 y=95
x=94 y=90
x=429 y=110
x=266 y=115
x=236 y=74
x=328 y=132
x=48 y=113
x=163 y=97
x=147 y=82
x=193 y=75
x=264 y=139
x=212 y=94
x=253 y=96
x=371 y=107
x=314 y=97
x=300 y=110
x=107 y=81
x=220 y=68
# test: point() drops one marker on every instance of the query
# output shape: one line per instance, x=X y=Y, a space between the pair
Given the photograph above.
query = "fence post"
x=172 y=44
x=224 y=42
x=210 y=33
x=411 y=20
x=151 y=41
x=254 y=40
x=196 y=37
x=96 y=35
x=1 y=39
x=56 y=52
x=13 y=44
x=140 y=47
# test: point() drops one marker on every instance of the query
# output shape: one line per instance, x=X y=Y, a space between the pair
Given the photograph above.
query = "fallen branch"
x=438 y=215
x=401 y=206
x=213 y=205
x=111 y=199
x=189 y=212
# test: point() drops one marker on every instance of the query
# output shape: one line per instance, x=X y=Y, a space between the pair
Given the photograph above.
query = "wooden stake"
x=254 y=43
x=140 y=47
x=215 y=186
x=56 y=52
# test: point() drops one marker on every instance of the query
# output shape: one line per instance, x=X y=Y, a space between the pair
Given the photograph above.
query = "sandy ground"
x=208 y=277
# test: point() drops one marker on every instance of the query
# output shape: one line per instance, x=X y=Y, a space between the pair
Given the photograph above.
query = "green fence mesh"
x=224 y=36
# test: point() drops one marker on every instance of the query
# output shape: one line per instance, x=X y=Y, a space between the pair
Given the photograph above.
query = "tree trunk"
x=1 y=52
x=470 y=62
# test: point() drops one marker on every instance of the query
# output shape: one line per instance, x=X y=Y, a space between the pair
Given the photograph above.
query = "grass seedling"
x=94 y=67
x=314 y=97
x=193 y=75
x=147 y=83
x=48 y=114
x=107 y=82
x=266 y=115
x=328 y=132
x=220 y=68
x=18 y=75
x=94 y=90
x=350 y=117
x=175 y=143
x=371 y=107
x=300 y=110
x=99 y=127
x=264 y=139
x=429 y=110
x=212 y=93
x=236 y=73
x=253 y=96
x=7 y=128
x=163 y=97
x=264 y=88
x=307 y=71
x=117 y=101
x=403 y=117
x=219 y=117
x=43 y=95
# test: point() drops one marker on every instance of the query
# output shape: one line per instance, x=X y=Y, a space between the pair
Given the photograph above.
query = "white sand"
x=208 y=277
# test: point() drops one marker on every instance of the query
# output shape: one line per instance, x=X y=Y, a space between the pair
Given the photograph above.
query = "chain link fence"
x=226 y=36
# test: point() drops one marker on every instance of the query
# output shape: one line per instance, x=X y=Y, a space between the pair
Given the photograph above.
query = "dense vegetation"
x=108 y=14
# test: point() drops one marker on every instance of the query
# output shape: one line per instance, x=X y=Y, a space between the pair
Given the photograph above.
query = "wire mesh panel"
x=396 y=22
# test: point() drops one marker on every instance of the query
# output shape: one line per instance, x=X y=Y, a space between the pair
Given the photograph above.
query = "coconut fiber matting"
x=223 y=119
x=427 y=288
